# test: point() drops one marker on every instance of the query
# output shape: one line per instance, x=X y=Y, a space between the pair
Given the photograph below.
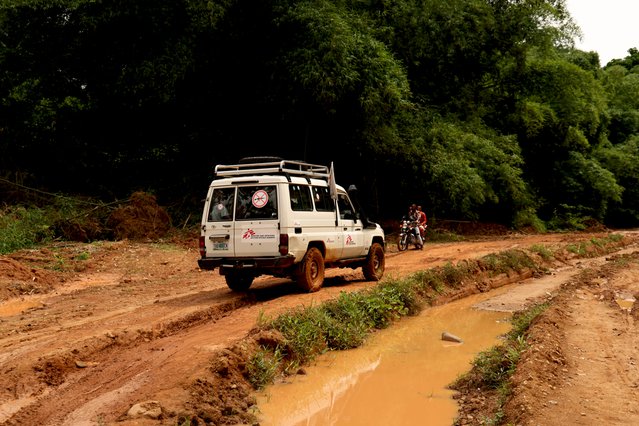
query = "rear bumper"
x=257 y=263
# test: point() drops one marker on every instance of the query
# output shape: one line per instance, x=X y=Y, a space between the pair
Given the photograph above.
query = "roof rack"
x=284 y=167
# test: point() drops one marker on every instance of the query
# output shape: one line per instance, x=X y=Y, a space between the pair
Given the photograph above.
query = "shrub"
x=542 y=251
x=22 y=227
x=263 y=366
x=303 y=330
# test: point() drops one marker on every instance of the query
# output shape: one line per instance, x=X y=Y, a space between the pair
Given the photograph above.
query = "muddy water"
x=398 y=377
x=626 y=302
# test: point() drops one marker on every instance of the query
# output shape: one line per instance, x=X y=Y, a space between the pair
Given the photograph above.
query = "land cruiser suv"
x=287 y=219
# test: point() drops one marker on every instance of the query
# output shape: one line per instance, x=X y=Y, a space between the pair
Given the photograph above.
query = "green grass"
x=492 y=369
x=25 y=226
x=542 y=251
x=22 y=227
x=441 y=236
x=83 y=256
x=578 y=249
x=263 y=366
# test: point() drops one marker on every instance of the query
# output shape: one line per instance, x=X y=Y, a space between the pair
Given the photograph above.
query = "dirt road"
x=88 y=330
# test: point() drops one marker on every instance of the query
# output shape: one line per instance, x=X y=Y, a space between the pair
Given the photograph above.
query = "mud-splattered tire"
x=310 y=274
x=375 y=263
x=238 y=281
x=402 y=243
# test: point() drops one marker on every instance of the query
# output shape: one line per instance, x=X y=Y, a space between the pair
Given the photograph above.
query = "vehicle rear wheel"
x=402 y=243
x=310 y=274
x=375 y=263
x=238 y=281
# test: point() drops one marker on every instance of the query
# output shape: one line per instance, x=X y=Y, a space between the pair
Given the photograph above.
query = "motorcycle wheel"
x=402 y=243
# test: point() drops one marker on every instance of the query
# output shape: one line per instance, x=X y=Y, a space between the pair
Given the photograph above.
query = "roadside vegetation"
x=492 y=369
x=22 y=227
x=491 y=393
x=345 y=322
x=61 y=218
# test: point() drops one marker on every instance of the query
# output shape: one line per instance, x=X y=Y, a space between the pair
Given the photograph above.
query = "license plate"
x=220 y=246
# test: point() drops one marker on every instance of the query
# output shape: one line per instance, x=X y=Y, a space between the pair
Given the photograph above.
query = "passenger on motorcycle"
x=422 y=221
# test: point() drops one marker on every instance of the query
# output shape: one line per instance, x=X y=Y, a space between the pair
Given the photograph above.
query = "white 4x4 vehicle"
x=287 y=219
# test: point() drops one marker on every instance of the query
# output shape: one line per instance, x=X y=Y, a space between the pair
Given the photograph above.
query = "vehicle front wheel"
x=238 y=281
x=375 y=263
x=310 y=274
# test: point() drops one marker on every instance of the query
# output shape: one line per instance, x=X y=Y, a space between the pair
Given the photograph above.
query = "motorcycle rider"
x=414 y=216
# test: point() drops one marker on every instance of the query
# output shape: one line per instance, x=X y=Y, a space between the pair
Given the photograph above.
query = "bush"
x=528 y=218
x=22 y=227
x=262 y=367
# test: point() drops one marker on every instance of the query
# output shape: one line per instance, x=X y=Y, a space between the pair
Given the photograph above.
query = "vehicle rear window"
x=322 y=199
x=221 y=206
x=256 y=202
x=300 y=198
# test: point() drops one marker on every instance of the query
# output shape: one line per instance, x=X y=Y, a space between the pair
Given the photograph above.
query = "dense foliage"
x=477 y=109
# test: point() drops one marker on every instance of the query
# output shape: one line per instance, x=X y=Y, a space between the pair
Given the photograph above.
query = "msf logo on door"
x=248 y=234
x=349 y=240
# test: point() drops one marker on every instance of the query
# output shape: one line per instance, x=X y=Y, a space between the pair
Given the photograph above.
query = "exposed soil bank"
x=581 y=366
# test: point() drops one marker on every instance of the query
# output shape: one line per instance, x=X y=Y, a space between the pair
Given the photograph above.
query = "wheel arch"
x=380 y=240
x=318 y=245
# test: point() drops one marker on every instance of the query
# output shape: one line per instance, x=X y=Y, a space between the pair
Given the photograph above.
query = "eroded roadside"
x=580 y=365
x=139 y=322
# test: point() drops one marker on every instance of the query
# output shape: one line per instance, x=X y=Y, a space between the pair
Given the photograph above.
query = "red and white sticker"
x=259 y=199
x=251 y=235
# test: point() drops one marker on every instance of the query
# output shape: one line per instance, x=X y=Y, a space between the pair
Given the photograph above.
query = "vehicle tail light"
x=283 y=244
x=202 y=247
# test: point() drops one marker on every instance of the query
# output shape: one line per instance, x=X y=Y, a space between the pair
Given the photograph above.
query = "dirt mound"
x=233 y=394
x=141 y=219
x=83 y=230
x=17 y=279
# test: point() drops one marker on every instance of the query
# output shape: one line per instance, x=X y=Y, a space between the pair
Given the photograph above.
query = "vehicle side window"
x=322 y=199
x=256 y=202
x=346 y=210
x=300 y=198
x=221 y=206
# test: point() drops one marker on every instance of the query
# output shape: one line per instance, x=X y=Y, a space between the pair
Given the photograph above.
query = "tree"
x=629 y=62
x=622 y=88
x=623 y=160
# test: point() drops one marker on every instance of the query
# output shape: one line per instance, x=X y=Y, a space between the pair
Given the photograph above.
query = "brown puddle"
x=398 y=377
x=626 y=303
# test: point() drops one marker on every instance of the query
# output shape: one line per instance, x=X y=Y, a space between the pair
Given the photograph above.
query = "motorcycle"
x=409 y=234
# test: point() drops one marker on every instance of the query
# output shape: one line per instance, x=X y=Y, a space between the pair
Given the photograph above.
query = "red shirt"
x=421 y=217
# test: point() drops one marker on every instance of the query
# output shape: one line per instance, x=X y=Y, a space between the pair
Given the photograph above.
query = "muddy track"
x=580 y=365
x=140 y=322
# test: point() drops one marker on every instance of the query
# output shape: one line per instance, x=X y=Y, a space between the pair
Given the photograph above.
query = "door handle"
x=226 y=226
